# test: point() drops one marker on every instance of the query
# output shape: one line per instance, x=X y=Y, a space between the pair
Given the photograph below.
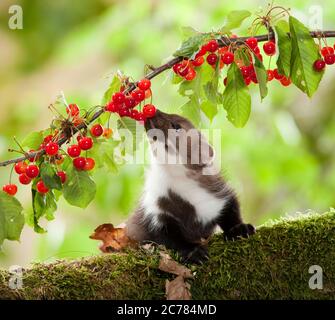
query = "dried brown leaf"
x=113 y=239
x=177 y=289
x=167 y=264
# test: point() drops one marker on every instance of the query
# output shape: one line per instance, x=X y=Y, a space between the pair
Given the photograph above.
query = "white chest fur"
x=161 y=178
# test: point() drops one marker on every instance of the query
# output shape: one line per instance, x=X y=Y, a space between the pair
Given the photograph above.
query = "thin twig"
x=223 y=41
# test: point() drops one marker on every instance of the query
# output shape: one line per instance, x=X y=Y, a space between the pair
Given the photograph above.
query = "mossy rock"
x=273 y=264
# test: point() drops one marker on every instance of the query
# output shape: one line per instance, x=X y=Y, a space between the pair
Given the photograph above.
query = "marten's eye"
x=175 y=126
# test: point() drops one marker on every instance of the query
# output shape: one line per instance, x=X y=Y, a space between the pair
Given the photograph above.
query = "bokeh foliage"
x=281 y=162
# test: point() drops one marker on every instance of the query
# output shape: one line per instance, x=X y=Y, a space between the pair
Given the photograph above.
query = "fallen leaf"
x=167 y=264
x=113 y=239
x=177 y=289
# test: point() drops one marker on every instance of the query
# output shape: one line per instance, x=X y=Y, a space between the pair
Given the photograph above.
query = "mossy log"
x=273 y=264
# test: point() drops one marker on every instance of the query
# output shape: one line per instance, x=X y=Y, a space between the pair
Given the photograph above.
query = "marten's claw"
x=198 y=255
x=241 y=230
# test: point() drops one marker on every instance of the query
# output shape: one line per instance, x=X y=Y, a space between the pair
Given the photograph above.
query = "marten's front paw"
x=241 y=230
x=198 y=255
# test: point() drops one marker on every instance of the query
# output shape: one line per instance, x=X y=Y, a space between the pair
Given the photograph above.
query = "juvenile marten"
x=185 y=200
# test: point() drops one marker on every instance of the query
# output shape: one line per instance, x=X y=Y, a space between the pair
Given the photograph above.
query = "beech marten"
x=185 y=200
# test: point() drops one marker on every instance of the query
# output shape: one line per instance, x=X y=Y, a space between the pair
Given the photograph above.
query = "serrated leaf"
x=236 y=97
x=282 y=29
x=209 y=109
x=50 y=177
x=191 y=111
x=304 y=53
x=33 y=140
x=235 y=20
x=190 y=46
x=11 y=218
x=79 y=188
x=262 y=77
x=114 y=86
x=44 y=205
x=187 y=32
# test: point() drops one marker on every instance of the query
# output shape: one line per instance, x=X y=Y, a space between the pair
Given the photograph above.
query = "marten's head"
x=175 y=140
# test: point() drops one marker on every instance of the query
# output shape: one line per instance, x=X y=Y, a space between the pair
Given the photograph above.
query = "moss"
x=273 y=264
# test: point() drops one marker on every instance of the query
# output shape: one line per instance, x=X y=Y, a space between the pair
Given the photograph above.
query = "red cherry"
x=247 y=80
x=285 y=81
x=79 y=163
x=211 y=59
x=327 y=50
x=277 y=75
x=144 y=84
x=85 y=143
x=97 y=130
x=24 y=179
x=62 y=176
x=212 y=45
x=118 y=97
x=48 y=139
x=72 y=110
x=269 y=48
x=149 y=110
x=130 y=102
x=138 y=95
x=140 y=117
x=33 y=159
x=256 y=50
x=51 y=148
x=176 y=67
x=89 y=164
x=319 y=65
x=228 y=58
x=270 y=75
x=252 y=43
x=20 y=167
x=191 y=74
x=10 y=189
x=74 y=150
x=112 y=107
x=202 y=51
x=245 y=71
x=133 y=113
x=124 y=112
x=329 y=59
x=41 y=188
x=183 y=70
x=198 y=61
x=32 y=171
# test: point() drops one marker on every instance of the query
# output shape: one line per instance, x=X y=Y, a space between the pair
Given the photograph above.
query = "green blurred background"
x=281 y=163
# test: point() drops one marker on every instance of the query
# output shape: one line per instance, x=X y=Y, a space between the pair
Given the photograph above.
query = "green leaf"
x=190 y=46
x=33 y=140
x=114 y=86
x=50 y=177
x=234 y=20
x=107 y=149
x=79 y=188
x=282 y=29
x=132 y=126
x=262 y=77
x=209 y=109
x=11 y=218
x=236 y=97
x=304 y=53
x=191 y=111
x=43 y=205
x=187 y=32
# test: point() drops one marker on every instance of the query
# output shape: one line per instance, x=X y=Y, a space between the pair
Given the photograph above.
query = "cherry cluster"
x=30 y=169
x=212 y=53
x=125 y=105
x=328 y=58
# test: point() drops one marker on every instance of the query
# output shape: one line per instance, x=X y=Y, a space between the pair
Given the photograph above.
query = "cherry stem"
x=223 y=42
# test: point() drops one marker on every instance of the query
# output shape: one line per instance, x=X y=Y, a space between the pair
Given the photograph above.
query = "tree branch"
x=223 y=41
x=273 y=264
